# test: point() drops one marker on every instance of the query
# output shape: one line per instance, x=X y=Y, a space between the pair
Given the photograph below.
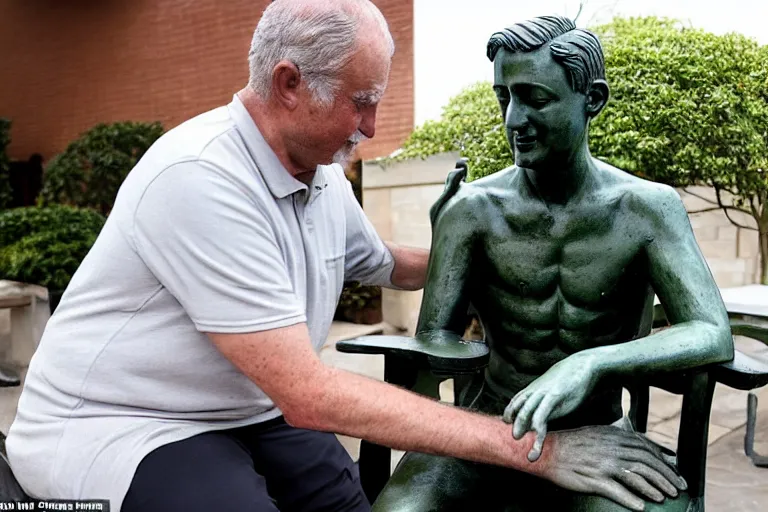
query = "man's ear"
x=597 y=97
x=286 y=79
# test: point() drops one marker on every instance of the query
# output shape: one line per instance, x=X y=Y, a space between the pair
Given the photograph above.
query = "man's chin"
x=343 y=156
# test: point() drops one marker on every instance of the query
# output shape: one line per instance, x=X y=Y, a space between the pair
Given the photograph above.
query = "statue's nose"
x=516 y=119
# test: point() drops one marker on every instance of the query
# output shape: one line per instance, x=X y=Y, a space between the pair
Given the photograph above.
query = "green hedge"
x=45 y=246
x=90 y=171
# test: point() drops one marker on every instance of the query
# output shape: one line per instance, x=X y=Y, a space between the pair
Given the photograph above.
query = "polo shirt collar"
x=279 y=181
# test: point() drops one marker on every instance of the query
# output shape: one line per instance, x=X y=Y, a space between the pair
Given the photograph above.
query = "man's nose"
x=368 y=122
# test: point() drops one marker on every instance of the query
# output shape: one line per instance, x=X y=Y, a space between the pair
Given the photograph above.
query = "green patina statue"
x=560 y=256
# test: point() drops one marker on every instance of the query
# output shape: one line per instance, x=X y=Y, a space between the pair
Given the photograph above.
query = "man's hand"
x=610 y=462
x=553 y=395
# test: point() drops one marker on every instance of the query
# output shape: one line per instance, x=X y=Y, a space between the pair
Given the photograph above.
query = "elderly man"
x=180 y=372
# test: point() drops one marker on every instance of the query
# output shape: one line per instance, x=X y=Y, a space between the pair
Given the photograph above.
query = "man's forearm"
x=679 y=347
x=364 y=408
x=410 y=271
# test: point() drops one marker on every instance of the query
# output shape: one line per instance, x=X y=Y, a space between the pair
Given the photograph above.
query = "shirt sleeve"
x=367 y=259
x=214 y=249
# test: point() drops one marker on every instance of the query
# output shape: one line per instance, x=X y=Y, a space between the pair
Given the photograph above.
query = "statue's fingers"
x=524 y=417
x=514 y=406
x=539 y=425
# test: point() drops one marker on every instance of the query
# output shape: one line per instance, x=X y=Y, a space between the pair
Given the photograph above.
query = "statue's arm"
x=443 y=314
x=700 y=333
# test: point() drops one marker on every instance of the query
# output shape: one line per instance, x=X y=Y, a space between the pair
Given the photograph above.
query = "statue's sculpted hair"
x=578 y=51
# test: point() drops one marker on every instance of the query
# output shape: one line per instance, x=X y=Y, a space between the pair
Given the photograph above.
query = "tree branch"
x=755 y=213
x=581 y=8
x=694 y=194
x=725 y=210
x=715 y=208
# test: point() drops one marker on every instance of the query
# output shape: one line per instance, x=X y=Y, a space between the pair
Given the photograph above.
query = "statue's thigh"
x=427 y=483
x=584 y=503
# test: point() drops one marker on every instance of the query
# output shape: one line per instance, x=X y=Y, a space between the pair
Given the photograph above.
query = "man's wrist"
x=543 y=464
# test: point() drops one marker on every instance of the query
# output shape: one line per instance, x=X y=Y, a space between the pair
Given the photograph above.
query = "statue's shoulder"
x=645 y=196
x=499 y=185
x=471 y=200
x=500 y=178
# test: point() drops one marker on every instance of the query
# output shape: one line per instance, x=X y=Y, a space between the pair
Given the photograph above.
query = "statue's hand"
x=613 y=463
x=555 y=394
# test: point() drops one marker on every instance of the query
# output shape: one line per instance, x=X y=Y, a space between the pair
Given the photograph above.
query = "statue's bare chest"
x=585 y=252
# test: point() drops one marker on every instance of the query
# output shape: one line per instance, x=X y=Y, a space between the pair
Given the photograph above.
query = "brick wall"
x=68 y=65
x=396 y=115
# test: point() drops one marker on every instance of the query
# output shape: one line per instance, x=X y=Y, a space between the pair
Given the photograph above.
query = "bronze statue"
x=560 y=256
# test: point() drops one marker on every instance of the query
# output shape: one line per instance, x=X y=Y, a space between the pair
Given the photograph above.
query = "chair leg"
x=638 y=408
x=374 y=464
x=375 y=460
x=758 y=460
x=694 y=434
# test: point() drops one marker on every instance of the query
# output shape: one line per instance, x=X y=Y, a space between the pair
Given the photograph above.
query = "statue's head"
x=549 y=77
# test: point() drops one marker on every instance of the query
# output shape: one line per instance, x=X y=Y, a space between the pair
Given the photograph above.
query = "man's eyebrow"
x=368 y=97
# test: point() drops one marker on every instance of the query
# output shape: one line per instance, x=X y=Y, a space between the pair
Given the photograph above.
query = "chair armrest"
x=465 y=357
x=743 y=372
x=743 y=328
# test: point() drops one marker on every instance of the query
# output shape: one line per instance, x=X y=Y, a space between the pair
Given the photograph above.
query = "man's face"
x=333 y=131
x=544 y=118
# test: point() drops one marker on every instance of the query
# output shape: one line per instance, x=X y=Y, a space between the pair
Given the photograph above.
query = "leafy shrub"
x=92 y=168
x=472 y=124
x=359 y=304
x=356 y=295
x=18 y=223
x=45 y=246
x=689 y=108
x=5 y=183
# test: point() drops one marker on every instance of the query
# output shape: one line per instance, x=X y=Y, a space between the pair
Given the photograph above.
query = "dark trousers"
x=270 y=467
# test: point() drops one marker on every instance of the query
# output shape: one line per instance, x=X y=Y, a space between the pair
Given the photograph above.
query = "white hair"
x=320 y=41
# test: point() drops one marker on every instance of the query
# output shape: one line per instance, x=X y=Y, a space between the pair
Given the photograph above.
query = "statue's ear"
x=597 y=97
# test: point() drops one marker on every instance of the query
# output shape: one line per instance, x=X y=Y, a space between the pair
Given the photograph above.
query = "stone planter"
x=397 y=198
x=22 y=322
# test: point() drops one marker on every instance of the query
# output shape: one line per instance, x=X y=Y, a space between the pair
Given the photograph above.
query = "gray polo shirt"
x=209 y=233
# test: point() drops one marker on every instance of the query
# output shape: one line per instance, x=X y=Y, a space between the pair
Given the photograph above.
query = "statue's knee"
x=598 y=504
x=425 y=483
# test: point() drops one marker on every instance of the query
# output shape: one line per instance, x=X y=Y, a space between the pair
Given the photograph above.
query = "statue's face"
x=545 y=119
